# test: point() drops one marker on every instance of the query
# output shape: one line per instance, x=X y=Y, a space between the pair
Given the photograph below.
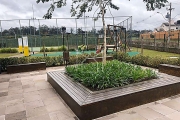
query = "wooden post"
x=139 y=35
x=141 y=45
x=154 y=41
x=178 y=40
x=125 y=41
x=165 y=42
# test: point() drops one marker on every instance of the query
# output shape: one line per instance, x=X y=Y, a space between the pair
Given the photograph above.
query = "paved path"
x=28 y=96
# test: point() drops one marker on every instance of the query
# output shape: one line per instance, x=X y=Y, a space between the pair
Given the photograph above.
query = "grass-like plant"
x=100 y=76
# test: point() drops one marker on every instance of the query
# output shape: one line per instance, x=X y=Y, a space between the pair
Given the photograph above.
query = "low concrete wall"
x=26 y=67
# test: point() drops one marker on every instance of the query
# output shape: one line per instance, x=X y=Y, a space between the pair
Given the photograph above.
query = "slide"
x=98 y=51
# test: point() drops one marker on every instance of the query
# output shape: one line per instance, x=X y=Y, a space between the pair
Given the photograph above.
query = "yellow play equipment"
x=26 y=48
x=20 y=45
x=82 y=47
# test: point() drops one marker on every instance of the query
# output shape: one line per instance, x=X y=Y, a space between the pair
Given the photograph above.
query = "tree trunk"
x=104 y=27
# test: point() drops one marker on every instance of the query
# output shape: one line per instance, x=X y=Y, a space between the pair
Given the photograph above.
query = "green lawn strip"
x=5 y=55
x=153 y=53
x=98 y=76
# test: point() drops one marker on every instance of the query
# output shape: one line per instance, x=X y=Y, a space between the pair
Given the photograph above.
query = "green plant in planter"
x=100 y=76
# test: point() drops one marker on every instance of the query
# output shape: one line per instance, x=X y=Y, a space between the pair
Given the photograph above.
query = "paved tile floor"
x=28 y=96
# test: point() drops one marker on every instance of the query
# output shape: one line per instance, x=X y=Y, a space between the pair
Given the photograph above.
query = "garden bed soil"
x=87 y=104
x=170 y=69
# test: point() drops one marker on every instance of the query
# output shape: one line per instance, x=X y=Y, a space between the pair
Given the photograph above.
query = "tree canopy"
x=78 y=7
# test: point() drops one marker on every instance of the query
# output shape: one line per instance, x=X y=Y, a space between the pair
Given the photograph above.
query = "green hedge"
x=50 y=61
x=8 y=50
x=61 y=48
x=78 y=59
x=153 y=62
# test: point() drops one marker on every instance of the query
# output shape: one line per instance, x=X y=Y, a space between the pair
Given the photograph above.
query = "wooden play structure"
x=114 y=36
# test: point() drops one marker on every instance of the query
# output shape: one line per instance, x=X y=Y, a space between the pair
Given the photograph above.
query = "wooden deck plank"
x=88 y=104
x=74 y=84
x=70 y=88
x=128 y=90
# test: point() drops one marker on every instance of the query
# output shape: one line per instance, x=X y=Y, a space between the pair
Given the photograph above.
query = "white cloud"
x=22 y=9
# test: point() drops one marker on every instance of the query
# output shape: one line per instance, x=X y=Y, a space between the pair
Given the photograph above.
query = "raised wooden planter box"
x=170 y=69
x=26 y=67
x=98 y=59
x=87 y=104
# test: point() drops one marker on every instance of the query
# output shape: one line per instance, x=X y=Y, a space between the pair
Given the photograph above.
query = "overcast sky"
x=141 y=18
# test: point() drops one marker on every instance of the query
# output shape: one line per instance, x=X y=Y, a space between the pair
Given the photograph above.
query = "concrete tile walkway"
x=28 y=96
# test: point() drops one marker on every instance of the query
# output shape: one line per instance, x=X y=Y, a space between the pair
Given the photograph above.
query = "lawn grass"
x=5 y=55
x=153 y=53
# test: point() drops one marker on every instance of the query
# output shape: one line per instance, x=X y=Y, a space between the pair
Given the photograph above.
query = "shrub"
x=36 y=59
x=7 y=61
x=23 y=60
x=62 y=48
x=178 y=61
x=140 y=60
x=72 y=49
x=50 y=61
x=82 y=47
x=53 y=49
x=153 y=62
x=77 y=59
x=46 y=50
x=8 y=50
x=112 y=74
x=121 y=56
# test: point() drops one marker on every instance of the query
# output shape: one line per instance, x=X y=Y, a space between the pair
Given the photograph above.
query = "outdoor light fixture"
x=65 y=53
x=63 y=31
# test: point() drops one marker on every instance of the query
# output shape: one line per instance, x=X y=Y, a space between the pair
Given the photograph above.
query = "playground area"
x=33 y=35
x=71 y=53
x=53 y=33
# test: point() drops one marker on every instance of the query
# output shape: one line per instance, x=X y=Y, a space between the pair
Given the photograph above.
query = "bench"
x=88 y=105
x=26 y=67
x=98 y=59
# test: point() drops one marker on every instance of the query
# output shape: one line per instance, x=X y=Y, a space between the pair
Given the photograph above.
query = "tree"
x=72 y=30
x=79 y=31
x=78 y=7
x=101 y=31
x=5 y=32
x=44 y=29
